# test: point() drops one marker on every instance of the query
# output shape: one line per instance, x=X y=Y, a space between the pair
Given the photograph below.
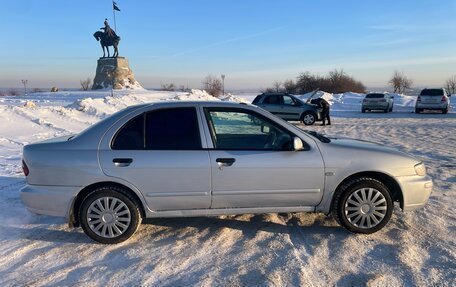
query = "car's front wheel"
x=363 y=205
x=308 y=118
x=109 y=215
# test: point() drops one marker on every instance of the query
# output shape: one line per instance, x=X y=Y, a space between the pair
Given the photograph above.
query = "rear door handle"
x=225 y=161
x=121 y=162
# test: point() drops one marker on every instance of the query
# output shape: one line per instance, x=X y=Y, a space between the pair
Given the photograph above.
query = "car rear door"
x=253 y=165
x=160 y=152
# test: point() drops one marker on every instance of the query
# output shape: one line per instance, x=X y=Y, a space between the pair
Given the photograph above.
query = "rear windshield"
x=374 y=96
x=432 y=92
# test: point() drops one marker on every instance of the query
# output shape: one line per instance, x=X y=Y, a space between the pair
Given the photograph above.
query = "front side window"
x=172 y=129
x=245 y=130
x=287 y=100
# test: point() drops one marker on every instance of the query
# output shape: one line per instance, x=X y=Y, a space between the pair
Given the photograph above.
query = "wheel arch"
x=392 y=185
x=73 y=219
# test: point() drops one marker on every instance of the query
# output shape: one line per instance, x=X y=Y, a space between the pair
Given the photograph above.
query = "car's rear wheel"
x=308 y=118
x=363 y=205
x=109 y=215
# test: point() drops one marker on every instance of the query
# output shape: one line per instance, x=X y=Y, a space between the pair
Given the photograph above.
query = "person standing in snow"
x=322 y=103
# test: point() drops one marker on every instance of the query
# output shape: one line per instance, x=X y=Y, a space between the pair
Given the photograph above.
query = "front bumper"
x=49 y=200
x=415 y=191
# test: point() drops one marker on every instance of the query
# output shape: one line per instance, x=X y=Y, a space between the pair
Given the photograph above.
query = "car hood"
x=368 y=146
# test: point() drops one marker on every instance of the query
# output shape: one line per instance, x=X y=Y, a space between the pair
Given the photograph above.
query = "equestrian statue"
x=108 y=38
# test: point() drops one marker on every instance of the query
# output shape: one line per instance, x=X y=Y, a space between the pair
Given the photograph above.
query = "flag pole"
x=114 y=14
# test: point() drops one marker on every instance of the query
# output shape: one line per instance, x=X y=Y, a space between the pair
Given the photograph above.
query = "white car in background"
x=377 y=101
x=178 y=159
x=433 y=99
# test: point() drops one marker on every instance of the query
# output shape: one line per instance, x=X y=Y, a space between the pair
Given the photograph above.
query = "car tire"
x=115 y=212
x=445 y=111
x=363 y=111
x=308 y=118
x=417 y=111
x=363 y=205
x=386 y=110
x=391 y=109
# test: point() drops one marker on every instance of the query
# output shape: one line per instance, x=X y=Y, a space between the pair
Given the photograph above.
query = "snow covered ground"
x=416 y=248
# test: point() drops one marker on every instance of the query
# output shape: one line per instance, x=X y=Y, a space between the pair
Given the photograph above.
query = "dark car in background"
x=377 y=101
x=433 y=99
x=289 y=107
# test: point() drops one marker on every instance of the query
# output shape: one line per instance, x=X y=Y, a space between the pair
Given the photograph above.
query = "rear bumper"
x=415 y=191
x=374 y=106
x=49 y=200
x=437 y=106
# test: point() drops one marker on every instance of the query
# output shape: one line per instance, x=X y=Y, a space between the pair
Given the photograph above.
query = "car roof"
x=197 y=103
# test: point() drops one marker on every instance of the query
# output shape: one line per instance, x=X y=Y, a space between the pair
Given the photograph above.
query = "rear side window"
x=432 y=92
x=273 y=100
x=172 y=129
x=256 y=100
x=374 y=96
x=131 y=135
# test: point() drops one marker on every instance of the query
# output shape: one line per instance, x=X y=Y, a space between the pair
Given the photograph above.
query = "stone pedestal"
x=115 y=72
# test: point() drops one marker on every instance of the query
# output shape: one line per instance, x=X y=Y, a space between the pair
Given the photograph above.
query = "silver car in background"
x=433 y=99
x=179 y=159
x=377 y=101
x=289 y=107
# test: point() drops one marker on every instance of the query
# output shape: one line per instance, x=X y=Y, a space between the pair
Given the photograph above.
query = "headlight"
x=420 y=169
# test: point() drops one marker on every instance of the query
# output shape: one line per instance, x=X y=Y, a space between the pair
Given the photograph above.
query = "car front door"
x=253 y=164
x=160 y=153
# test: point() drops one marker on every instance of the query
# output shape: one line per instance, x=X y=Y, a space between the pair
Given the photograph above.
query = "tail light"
x=25 y=168
x=418 y=99
x=444 y=99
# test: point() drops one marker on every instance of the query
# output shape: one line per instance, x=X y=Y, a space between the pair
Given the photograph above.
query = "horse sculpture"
x=107 y=41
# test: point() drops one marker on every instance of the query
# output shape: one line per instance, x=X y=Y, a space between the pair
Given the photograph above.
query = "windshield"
x=431 y=92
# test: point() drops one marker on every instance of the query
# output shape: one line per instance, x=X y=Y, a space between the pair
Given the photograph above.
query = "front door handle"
x=121 y=162
x=225 y=161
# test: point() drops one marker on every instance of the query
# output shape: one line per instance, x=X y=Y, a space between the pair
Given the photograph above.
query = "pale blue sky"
x=50 y=42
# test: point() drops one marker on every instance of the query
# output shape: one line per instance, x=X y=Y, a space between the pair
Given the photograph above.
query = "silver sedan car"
x=179 y=159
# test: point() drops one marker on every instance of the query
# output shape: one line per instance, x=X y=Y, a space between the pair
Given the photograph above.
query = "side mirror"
x=265 y=129
x=297 y=144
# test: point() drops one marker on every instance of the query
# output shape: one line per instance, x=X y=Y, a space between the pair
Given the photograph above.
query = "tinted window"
x=243 y=130
x=273 y=100
x=257 y=99
x=131 y=135
x=172 y=129
x=432 y=92
x=374 y=96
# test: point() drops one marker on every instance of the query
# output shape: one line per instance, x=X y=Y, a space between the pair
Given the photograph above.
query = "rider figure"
x=107 y=29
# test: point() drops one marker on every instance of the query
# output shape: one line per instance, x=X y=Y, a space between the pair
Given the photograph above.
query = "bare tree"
x=450 y=85
x=85 y=84
x=213 y=86
x=289 y=86
x=168 y=87
x=277 y=86
x=400 y=83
